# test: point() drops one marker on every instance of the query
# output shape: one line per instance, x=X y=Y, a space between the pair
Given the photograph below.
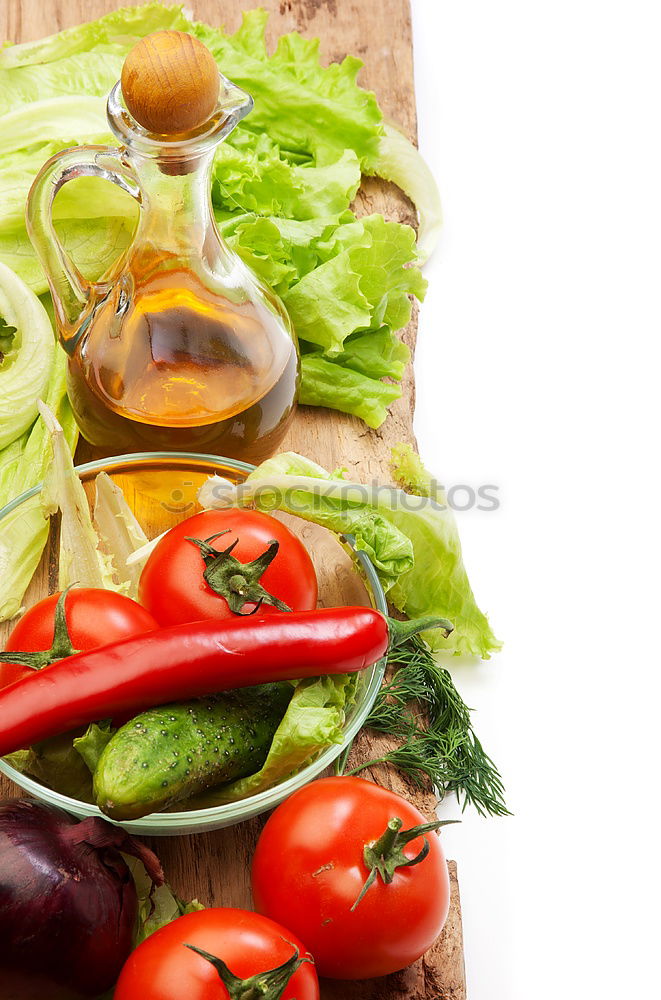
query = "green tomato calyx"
x=60 y=649
x=384 y=856
x=269 y=985
x=239 y=583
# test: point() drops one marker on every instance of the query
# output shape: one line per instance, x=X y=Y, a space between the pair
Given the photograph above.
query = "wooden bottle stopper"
x=170 y=82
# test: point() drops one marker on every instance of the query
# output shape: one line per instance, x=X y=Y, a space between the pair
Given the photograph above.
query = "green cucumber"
x=167 y=754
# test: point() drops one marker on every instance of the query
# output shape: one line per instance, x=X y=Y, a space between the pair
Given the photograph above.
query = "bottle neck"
x=177 y=214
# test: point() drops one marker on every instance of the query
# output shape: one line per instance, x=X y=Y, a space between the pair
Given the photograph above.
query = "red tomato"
x=172 y=585
x=162 y=968
x=94 y=618
x=308 y=869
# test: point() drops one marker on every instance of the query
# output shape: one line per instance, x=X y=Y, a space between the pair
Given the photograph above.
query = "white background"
x=537 y=369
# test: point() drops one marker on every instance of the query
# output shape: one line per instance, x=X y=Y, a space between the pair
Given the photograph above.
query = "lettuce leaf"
x=25 y=370
x=22 y=542
x=92 y=74
x=81 y=560
x=25 y=530
x=413 y=541
x=304 y=107
x=445 y=581
x=51 y=119
x=400 y=162
x=333 y=284
x=386 y=279
x=116 y=33
x=376 y=354
x=364 y=283
x=119 y=531
x=10 y=460
x=156 y=906
x=90 y=745
x=324 y=383
x=56 y=764
x=93 y=245
x=252 y=175
x=410 y=474
x=337 y=276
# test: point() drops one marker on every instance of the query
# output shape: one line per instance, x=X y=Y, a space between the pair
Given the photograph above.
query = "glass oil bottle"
x=179 y=346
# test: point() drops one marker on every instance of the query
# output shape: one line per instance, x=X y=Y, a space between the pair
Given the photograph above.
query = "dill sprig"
x=421 y=707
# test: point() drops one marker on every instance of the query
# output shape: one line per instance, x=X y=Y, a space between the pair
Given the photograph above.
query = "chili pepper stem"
x=400 y=632
x=269 y=985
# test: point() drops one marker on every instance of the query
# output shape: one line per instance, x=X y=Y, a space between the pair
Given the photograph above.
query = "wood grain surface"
x=215 y=867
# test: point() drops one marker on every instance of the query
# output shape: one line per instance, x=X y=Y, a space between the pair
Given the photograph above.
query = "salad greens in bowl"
x=137 y=497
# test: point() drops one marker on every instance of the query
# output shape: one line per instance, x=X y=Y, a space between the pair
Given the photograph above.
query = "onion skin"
x=68 y=903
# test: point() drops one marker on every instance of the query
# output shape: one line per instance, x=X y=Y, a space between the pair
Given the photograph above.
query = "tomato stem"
x=61 y=647
x=400 y=631
x=239 y=583
x=268 y=985
x=384 y=856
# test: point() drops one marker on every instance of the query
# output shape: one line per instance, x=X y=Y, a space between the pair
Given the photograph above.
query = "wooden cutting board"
x=215 y=867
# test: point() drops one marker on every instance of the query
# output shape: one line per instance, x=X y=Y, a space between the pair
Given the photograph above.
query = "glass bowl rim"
x=229 y=812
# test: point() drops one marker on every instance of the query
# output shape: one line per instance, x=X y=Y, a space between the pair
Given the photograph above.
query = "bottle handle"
x=72 y=292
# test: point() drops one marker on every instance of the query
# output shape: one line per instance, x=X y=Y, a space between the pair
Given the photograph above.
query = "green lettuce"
x=252 y=175
x=280 y=483
x=438 y=578
x=308 y=109
x=399 y=161
x=342 y=388
x=27 y=361
x=280 y=251
x=333 y=282
x=386 y=279
x=24 y=531
x=114 y=33
x=411 y=475
x=93 y=245
x=377 y=354
x=412 y=540
x=156 y=907
x=91 y=74
x=90 y=745
x=10 y=461
x=81 y=559
x=362 y=282
x=48 y=120
x=56 y=764
x=120 y=533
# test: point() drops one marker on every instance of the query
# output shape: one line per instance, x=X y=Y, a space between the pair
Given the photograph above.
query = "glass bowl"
x=161 y=487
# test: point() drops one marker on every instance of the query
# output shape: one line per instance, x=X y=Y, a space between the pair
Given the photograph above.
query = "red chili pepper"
x=191 y=661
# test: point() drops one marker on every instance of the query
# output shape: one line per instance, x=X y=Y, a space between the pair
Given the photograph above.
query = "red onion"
x=68 y=902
